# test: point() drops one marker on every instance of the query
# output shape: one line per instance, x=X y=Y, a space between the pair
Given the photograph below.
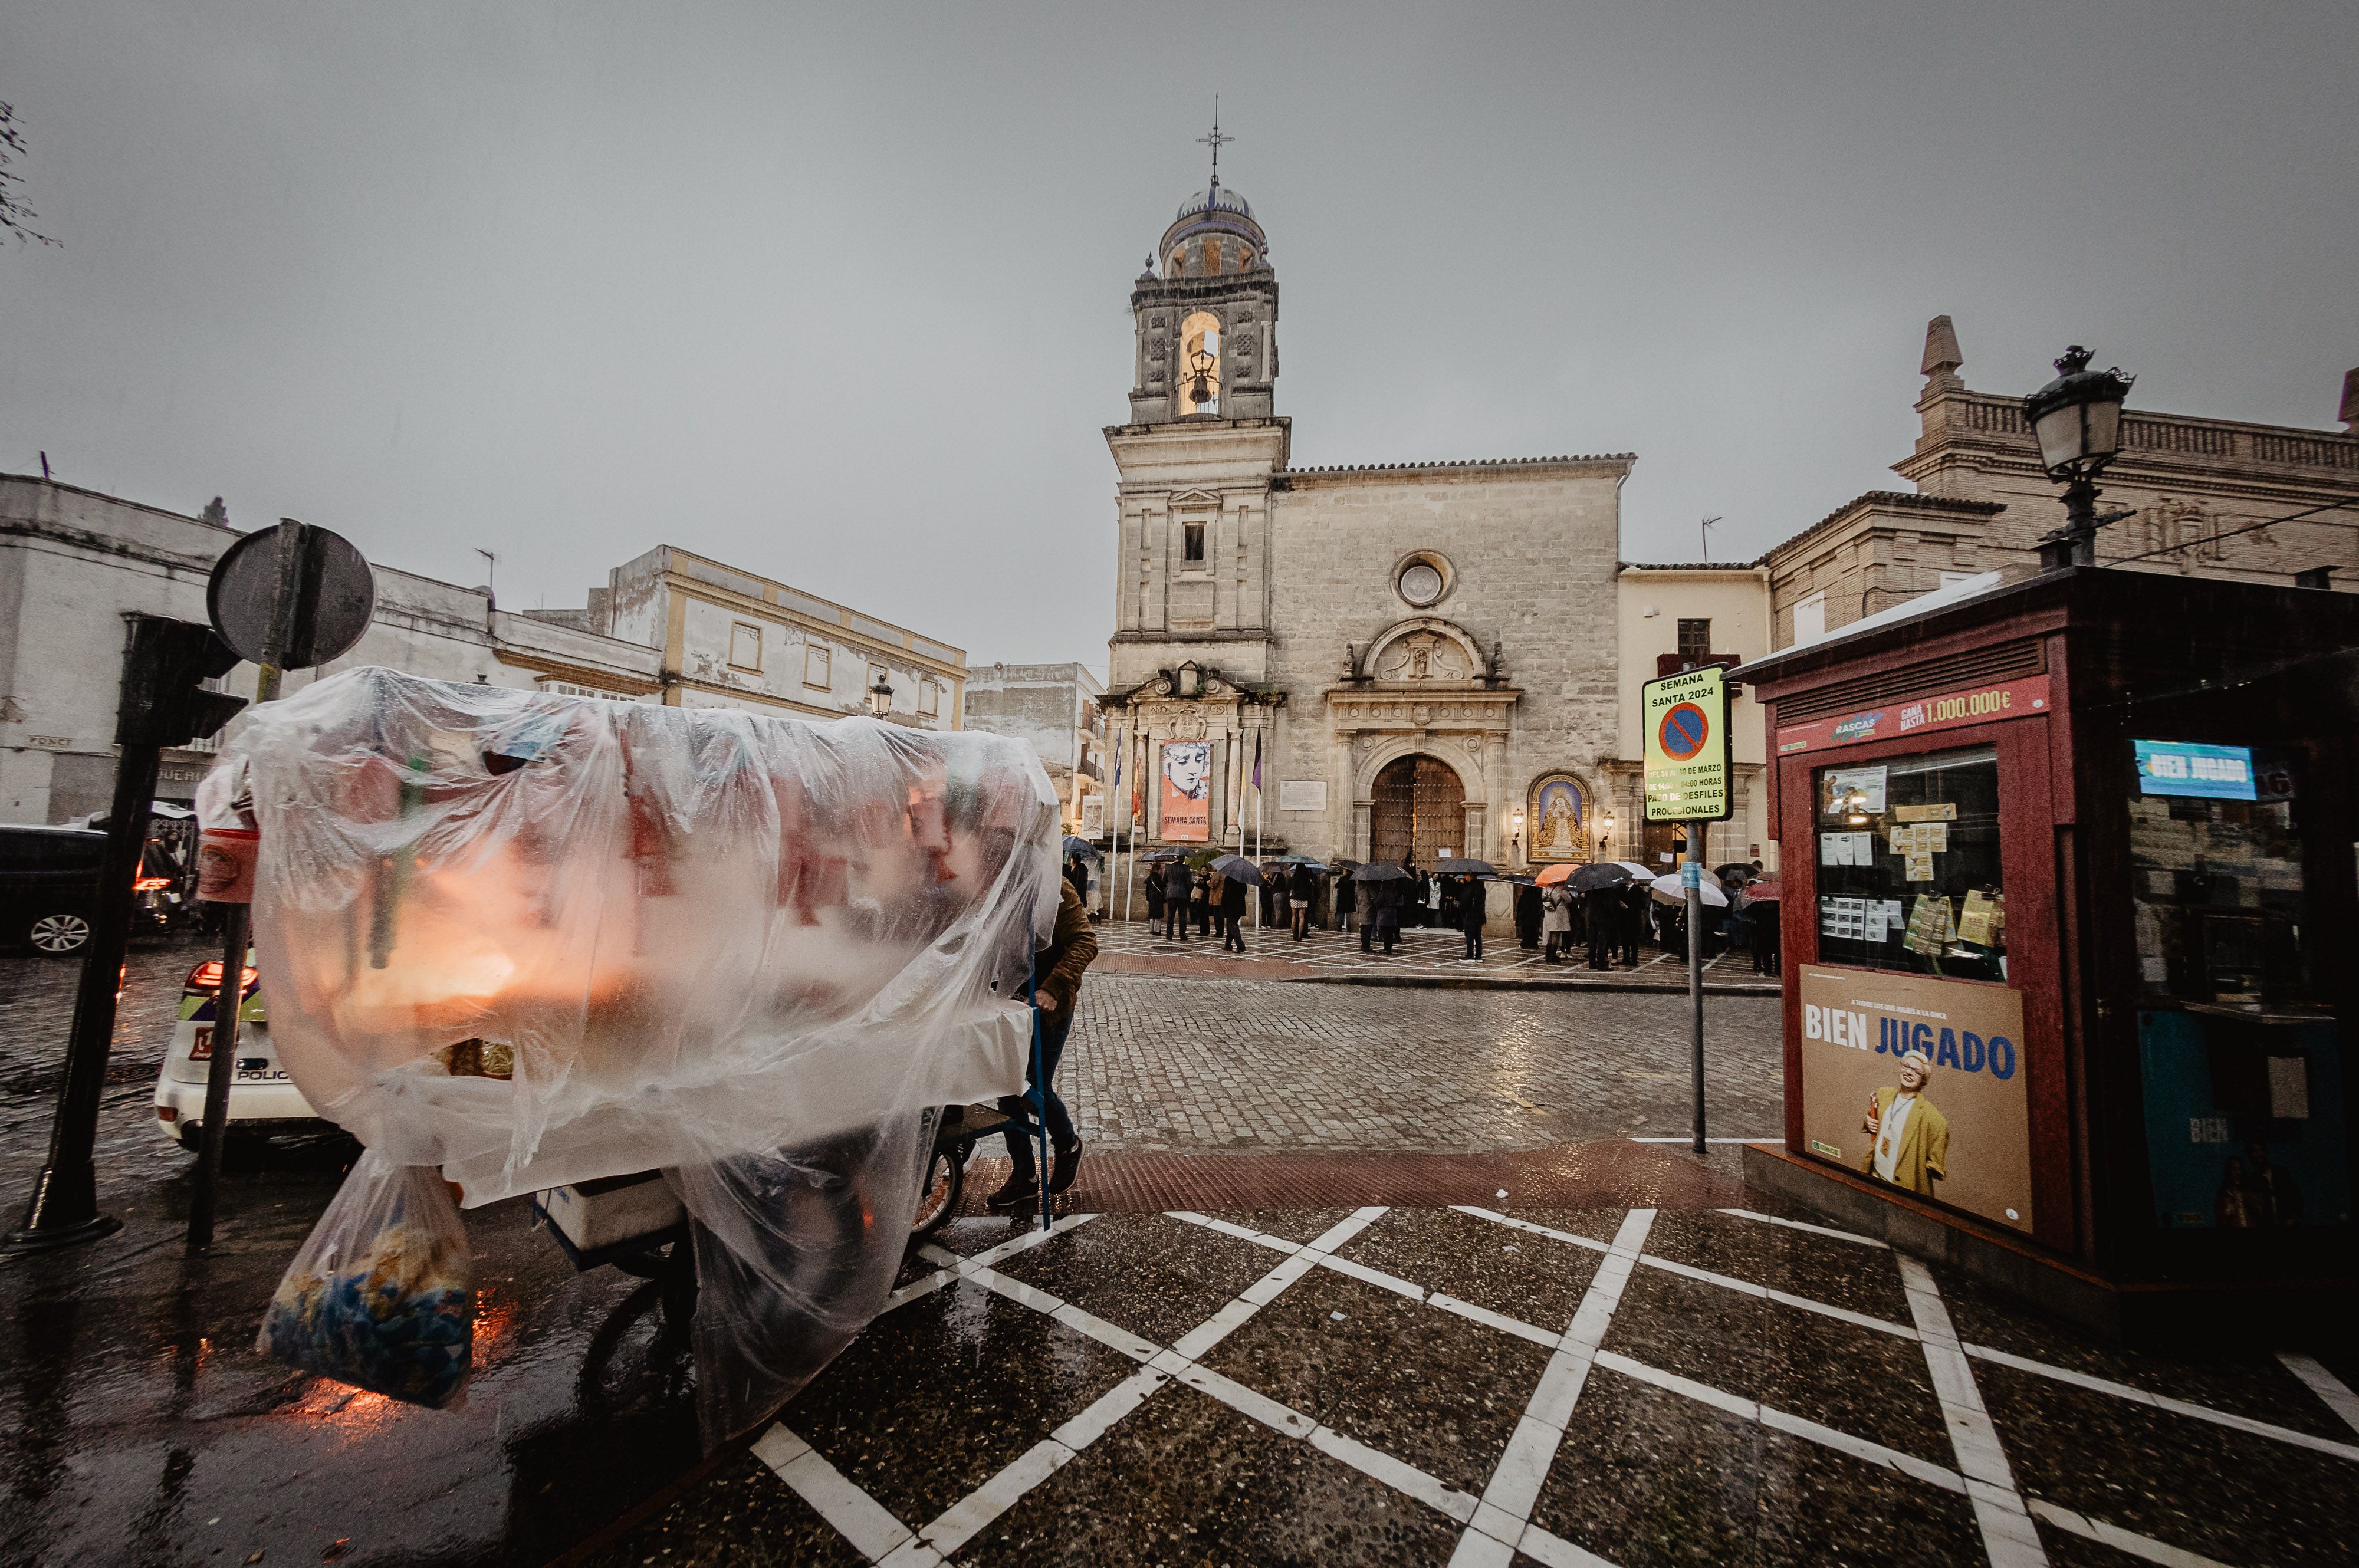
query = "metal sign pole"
x=286 y=606
x=1691 y=875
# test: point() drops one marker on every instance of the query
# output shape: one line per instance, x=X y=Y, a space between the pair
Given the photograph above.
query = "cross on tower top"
x=1215 y=141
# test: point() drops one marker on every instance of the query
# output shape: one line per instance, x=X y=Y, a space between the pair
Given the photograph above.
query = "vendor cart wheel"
x=938 y=1199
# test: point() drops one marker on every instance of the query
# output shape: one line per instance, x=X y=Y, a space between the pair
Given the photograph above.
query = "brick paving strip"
x=1612 y=1172
x=1497 y=1525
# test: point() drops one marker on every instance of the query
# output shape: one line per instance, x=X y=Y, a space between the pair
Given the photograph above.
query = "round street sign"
x=1683 y=732
x=333 y=594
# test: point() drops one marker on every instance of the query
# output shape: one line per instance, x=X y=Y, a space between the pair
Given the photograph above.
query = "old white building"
x=1418 y=651
x=683 y=631
x=1054 y=708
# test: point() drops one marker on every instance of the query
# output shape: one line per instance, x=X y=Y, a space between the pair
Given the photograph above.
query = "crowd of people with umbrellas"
x=1608 y=910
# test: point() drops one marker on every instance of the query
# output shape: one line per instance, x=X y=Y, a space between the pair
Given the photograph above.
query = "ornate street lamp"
x=880 y=696
x=1604 y=833
x=2077 y=418
x=1515 y=836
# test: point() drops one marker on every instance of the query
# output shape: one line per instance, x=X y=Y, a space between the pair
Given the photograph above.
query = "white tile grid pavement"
x=1498 y=1523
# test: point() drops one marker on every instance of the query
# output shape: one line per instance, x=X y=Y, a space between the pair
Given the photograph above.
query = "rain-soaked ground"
x=1700 y=1380
x=138 y=1426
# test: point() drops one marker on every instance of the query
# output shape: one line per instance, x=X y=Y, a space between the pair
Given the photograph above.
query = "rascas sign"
x=1685 y=718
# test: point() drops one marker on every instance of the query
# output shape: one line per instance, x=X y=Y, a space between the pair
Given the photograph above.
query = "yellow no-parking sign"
x=1685 y=718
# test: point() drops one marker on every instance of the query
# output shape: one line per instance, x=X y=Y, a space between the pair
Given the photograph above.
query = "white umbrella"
x=1668 y=890
x=1639 y=869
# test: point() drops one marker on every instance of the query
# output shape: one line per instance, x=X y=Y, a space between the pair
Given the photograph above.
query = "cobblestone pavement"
x=1244 y=1066
x=1421 y=952
x=1494 y=1387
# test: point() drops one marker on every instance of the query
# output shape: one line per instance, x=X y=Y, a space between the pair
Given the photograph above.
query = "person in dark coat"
x=1056 y=994
x=1388 y=898
x=1347 y=901
x=1527 y=917
x=1474 y=909
x=1232 y=916
x=1200 y=902
x=1302 y=886
x=1601 y=906
x=1154 y=895
x=1077 y=874
x=1630 y=921
x=1271 y=883
x=1177 y=883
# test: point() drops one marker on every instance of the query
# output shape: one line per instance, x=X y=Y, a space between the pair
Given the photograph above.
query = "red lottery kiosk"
x=2069 y=938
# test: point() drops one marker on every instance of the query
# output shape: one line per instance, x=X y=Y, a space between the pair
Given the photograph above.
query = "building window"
x=744 y=647
x=1695 y=640
x=1192 y=540
x=1810 y=618
x=930 y=698
x=1199 y=365
x=818 y=665
x=1420 y=584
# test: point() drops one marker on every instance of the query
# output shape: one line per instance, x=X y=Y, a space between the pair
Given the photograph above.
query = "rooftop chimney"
x=2349 y=414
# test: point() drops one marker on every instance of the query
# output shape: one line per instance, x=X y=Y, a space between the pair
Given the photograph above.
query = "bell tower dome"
x=1207 y=313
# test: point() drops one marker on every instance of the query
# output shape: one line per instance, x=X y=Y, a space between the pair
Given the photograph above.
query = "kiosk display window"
x=1908 y=874
x=2242 y=1061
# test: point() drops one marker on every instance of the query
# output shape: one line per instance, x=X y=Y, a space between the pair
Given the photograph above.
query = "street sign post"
x=285 y=598
x=1685 y=720
x=165 y=666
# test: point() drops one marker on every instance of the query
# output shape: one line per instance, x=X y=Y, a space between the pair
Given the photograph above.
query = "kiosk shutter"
x=2001 y=661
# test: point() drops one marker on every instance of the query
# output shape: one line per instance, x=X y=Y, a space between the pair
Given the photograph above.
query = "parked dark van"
x=48 y=887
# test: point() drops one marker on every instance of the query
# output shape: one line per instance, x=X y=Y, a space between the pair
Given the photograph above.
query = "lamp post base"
x=17 y=1242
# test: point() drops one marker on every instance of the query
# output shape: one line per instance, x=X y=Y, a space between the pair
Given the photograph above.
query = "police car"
x=262 y=1099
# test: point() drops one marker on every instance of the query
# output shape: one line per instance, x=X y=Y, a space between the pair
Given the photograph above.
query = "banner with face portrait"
x=1188 y=791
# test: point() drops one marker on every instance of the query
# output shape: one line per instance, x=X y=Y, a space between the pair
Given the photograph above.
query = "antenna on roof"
x=1215 y=140
x=1707 y=537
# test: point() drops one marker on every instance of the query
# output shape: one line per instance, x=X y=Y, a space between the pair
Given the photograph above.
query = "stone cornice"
x=1965 y=514
x=1616 y=463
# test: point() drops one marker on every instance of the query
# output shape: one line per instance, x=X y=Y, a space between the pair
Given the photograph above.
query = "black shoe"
x=1069 y=1160
x=1019 y=1190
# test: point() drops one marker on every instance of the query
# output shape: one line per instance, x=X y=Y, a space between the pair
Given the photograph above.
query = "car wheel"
x=59 y=935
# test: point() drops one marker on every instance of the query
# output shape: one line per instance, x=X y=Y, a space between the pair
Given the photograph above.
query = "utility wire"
x=2249 y=528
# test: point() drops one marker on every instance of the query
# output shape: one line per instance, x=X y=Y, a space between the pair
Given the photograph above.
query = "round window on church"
x=1420 y=584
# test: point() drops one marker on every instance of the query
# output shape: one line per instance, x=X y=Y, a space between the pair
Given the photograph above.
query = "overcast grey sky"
x=840 y=295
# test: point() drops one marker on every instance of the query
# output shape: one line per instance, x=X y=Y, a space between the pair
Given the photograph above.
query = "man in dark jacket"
x=1200 y=902
x=1388 y=897
x=1302 y=886
x=1177 y=883
x=1347 y=900
x=1232 y=916
x=1153 y=898
x=1601 y=906
x=1473 y=909
x=1056 y=991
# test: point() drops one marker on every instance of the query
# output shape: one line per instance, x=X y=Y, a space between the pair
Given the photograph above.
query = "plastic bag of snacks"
x=381 y=1294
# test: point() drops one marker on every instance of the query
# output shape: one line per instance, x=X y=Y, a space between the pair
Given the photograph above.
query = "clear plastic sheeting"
x=535 y=940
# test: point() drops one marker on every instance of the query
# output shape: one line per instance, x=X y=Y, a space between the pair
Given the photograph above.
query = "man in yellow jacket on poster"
x=1912 y=1139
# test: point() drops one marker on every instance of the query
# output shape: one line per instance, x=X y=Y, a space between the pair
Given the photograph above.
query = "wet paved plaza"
x=1474 y=1386
x=1243 y=1066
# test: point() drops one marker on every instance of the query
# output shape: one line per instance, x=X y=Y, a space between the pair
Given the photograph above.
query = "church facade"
x=1418 y=658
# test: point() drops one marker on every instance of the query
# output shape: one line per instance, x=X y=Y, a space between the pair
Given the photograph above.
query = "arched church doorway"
x=1419 y=808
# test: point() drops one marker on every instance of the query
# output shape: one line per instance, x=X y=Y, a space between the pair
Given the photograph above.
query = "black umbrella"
x=1237 y=869
x=1610 y=874
x=1465 y=867
x=1381 y=871
x=1162 y=856
x=1079 y=846
x=1741 y=868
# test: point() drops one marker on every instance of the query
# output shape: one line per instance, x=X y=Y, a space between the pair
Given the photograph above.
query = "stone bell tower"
x=1190 y=657
x=1207 y=314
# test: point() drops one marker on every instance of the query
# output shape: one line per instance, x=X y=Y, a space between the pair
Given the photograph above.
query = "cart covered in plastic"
x=536 y=939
